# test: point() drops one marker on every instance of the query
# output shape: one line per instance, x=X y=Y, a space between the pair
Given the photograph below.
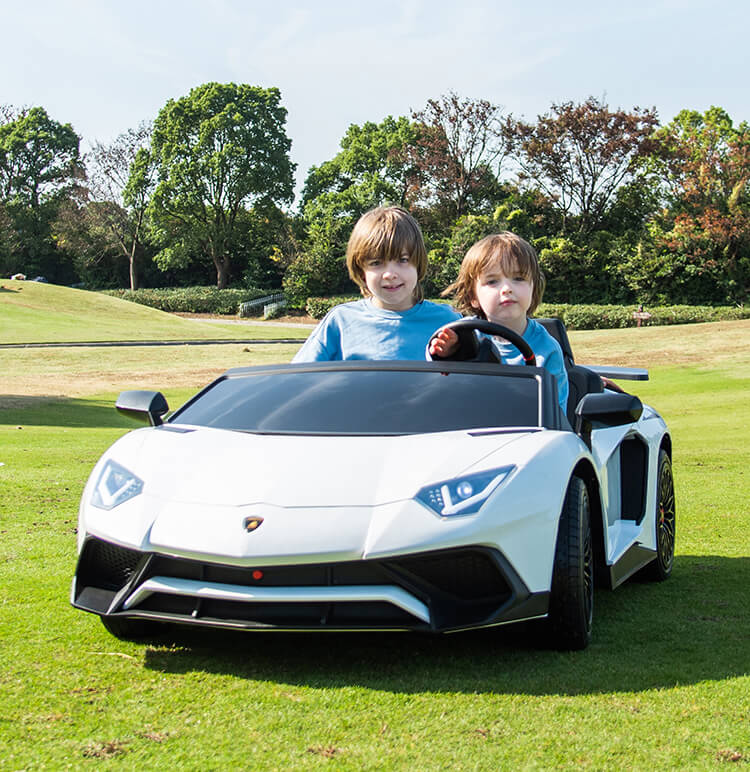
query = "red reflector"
x=257 y=575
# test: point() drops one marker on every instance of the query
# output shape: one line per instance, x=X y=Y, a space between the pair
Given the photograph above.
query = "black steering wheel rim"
x=465 y=327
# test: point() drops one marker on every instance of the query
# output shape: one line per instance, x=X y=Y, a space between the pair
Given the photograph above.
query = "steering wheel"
x=469 y=350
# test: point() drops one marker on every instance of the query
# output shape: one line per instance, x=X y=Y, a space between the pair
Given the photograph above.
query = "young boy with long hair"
x=387 y=259
x=500 y=280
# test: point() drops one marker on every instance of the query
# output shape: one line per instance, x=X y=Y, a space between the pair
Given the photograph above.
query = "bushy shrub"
x=607 y=317
x=191 y=300
x=313 y=274
x=319 y=307
x=593 y=317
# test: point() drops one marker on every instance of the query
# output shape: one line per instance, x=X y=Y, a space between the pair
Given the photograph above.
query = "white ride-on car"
x=426 y=496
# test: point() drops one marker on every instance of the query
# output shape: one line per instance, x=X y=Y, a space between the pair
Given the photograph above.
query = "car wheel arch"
x=666 y=445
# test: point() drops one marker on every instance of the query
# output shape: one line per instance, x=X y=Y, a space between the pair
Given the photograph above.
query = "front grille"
x=465 y=574
x=461 y=587
x=106 y=565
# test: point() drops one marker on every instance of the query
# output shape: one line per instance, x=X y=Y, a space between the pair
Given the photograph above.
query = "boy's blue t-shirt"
x=547 y=352
x=361 y=330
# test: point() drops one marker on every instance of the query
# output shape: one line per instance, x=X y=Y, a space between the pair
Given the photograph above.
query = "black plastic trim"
x=443 y=579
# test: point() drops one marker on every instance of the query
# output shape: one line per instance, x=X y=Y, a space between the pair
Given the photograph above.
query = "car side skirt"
x=632 y=561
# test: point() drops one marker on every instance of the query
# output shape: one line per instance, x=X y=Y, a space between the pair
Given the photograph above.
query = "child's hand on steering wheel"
x=444 y=343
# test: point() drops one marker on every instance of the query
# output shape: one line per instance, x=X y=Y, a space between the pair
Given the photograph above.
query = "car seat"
x=581 y=381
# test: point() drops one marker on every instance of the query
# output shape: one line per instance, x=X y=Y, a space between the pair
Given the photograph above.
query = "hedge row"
x=192 y=300
x=319 y=307
x=590 y=317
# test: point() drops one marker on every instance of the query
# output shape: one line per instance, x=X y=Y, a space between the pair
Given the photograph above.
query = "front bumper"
x=435 y=591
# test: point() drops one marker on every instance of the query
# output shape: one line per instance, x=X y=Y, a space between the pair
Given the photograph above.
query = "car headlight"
x=114 y=486
x=463 y=495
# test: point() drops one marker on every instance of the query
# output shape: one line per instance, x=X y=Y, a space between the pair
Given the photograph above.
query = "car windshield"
x=364 y=401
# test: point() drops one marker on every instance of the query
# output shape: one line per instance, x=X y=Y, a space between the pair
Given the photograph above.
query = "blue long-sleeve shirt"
x=361 y=330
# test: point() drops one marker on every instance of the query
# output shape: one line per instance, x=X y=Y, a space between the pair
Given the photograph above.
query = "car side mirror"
x=596 y=411
x=145 y=406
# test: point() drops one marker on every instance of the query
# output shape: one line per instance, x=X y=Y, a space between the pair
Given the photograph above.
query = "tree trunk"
x=133 y=273
x=222 y=273
x=133 y=277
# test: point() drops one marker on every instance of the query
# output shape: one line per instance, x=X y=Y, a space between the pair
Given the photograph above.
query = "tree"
x=457 y=156
x=580 y=155
x=120 y=182
x=9 y=243
x=701 y=242
x=38 y=158
x=372 y=159
x=39 y=165
x=81 y=236
x=216 y=151
x=702 y=159
x=371 y=169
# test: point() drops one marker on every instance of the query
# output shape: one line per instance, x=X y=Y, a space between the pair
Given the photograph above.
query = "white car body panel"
x=338 y=501
x=171 y=514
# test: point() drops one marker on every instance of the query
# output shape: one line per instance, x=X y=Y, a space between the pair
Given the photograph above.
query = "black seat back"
x=556 y=329
x=580 y=380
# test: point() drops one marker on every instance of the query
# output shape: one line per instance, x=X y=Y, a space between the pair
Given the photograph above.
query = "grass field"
x=34 y=312
x=665 y=683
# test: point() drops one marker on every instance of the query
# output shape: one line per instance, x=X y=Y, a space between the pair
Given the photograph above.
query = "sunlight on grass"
x=34 y=312
x=664 y=684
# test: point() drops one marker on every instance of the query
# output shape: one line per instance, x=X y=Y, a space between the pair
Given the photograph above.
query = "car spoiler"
x=619 y=373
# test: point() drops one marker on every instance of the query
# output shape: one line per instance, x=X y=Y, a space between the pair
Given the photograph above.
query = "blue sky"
x=105 y=66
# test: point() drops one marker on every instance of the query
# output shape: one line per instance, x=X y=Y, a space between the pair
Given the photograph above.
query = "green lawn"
x=34 y=312
x=664 y=684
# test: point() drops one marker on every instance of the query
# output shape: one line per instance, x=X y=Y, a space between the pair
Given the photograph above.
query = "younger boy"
x=500 y=280
x=386 y=257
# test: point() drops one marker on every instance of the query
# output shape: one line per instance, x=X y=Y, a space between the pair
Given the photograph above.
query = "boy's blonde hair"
x=386 y=232
x=512 y=253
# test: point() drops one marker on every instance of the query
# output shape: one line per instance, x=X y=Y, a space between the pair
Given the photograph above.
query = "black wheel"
x=661 y=568
x=571 y=605
x=131 y=629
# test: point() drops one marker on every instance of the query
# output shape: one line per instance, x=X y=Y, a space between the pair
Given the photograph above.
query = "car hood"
x=229 y=468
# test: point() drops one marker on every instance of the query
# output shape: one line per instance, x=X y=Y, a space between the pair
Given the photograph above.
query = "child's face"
x=504 y=299
x=391 y=283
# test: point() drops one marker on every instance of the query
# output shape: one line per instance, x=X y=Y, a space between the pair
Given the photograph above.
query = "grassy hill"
x=34 y=312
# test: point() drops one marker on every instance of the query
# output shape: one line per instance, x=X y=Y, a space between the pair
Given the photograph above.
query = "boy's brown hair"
x=386 y=232
x=513 y=253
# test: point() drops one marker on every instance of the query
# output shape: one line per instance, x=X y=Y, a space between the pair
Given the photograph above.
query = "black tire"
x=131 y=629
x=661 y=568
x=571 y=605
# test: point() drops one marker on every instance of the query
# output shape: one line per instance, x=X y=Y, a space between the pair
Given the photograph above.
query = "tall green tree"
x=219 y=150
x=39 y=165
x=372 y=160
x=371 y=169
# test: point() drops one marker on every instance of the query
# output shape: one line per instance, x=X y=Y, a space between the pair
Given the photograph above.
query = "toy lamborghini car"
x=429 y=496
